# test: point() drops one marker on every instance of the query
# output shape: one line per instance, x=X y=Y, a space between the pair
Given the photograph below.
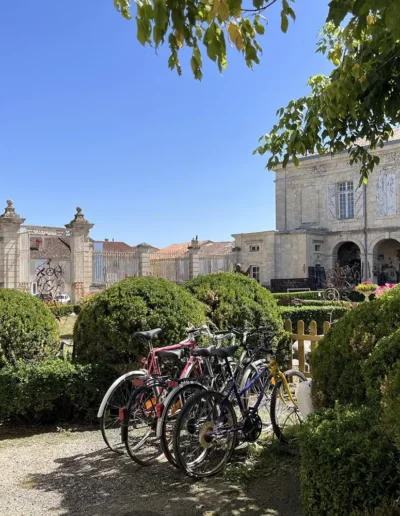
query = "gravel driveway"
x=71 y=473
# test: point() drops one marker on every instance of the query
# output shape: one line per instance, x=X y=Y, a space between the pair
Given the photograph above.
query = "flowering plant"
x=366 y=287
x=381 y=290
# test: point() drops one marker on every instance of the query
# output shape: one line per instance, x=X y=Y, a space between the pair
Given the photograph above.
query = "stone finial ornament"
x=9 y=212
x=79 y=219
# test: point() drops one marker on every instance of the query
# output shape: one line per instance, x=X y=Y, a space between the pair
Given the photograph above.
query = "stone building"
x=326 y=220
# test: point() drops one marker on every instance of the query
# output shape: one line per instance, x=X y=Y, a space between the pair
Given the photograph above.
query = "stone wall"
x=306 y=196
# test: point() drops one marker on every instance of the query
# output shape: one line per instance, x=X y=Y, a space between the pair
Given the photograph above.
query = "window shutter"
x=359 y=202
x=331 y=201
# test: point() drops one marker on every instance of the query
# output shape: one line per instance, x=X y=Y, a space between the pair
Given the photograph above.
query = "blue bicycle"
x=208 y=427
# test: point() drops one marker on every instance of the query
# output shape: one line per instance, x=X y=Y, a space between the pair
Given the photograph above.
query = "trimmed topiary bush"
x=348 y=467
x=385 y=354
x=105 y=326
x=52 y=390
x=28 y=330
x=337 y=362
x=391 y=404
x=235 y=300
x=319 y=314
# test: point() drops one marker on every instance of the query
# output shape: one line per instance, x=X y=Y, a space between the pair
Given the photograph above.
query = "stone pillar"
x=236 y=257
x=194 y=266
x=81 y=255
x=10 y=226
x=144 y=259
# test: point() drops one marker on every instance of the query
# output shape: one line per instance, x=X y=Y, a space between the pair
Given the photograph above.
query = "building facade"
x=326 y=220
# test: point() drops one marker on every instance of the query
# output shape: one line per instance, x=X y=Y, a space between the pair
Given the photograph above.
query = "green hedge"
x=28 y=330
x=348 y=467
x=313 y=295
x=337 y=362
x=385 y=354
x=318 y=302
x=319 y=314
x=308 y=294
x=234 y=300
x=65 y=310
x=391 y=404
x=104 y=329
x=52 y=390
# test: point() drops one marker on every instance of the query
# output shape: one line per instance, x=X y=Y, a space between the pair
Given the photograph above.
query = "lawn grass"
x=66 y=325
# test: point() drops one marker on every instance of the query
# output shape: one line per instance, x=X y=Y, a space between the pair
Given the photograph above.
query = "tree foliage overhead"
x=360 y=98
x=357 y=102
x=208 y=23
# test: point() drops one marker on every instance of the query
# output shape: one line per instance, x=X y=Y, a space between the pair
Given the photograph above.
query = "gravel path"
x=71 y=473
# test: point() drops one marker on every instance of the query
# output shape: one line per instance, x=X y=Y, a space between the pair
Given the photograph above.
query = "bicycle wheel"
x=285 y=415
x=251 y=396
x=205 y=434
x=109 y=419
x=172 y=409
x=140 y=423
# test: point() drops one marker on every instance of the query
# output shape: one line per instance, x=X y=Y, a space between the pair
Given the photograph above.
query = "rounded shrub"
x=28 y=329
x=235 y=300
x=337 y=362
x=384 y=356
x=391 y=404
x=348 y=467
x=105 y=326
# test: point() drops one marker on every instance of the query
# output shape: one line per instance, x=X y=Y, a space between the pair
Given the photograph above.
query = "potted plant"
x=366 y=289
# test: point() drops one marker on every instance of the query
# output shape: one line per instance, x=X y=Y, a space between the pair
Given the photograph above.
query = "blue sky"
x=91 y=118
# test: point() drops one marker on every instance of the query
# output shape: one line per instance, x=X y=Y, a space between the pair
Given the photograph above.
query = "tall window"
x=255 y=273
x=346 y=200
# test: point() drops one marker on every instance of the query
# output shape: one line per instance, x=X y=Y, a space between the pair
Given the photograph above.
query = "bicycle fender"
x=160 y=420
x=138 y=372
x=253 y=366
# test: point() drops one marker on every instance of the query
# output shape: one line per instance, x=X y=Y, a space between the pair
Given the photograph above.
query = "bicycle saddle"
x=175 y=354
x=202 y=352
x=224 y=352
x=148 y=335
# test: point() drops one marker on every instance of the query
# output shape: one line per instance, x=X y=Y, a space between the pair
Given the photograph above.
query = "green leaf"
x=284 y=23
x=223 y=10
x=143 y=30
x=295 y=160
x=338 y=10
x=260 y=29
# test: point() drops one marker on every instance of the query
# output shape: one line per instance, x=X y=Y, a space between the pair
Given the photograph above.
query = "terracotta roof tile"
x=207 y=248
x=49 y=247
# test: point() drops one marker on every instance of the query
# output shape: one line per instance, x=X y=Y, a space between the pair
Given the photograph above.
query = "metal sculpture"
x=50 y=280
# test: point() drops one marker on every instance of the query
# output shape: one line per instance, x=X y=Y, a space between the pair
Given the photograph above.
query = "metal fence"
x=177 y=268
x=216 y=263
x=108 y=268
x=170 y=267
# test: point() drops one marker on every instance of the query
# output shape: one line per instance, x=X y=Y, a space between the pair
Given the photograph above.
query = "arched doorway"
x=347 y=264
x=386 y=264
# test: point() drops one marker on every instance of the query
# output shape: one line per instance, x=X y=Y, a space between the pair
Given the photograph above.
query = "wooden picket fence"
x=303 y=342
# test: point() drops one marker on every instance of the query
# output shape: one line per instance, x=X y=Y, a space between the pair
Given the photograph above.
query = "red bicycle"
x=165 y=360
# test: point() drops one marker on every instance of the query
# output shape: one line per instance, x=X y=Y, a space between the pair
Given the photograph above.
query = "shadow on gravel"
x=104 y=484
x=14 y=430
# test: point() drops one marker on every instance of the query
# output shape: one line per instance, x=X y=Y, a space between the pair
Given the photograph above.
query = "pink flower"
x=381 y=290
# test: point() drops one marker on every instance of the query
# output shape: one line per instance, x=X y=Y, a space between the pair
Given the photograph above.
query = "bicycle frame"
x=274 y=372
x=152 y=358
